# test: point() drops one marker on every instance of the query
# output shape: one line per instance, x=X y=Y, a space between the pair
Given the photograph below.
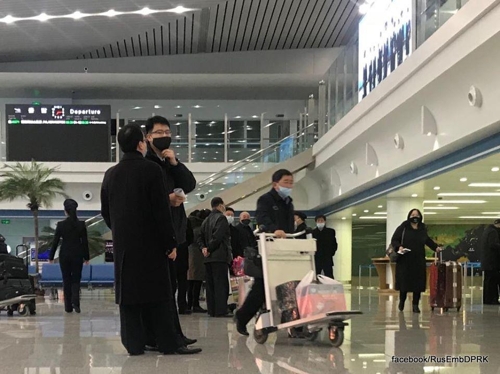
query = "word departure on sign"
x=58 y=133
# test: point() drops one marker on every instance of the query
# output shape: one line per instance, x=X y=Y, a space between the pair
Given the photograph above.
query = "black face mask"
x=162 y=143
x=416 y=219
x=246 y=222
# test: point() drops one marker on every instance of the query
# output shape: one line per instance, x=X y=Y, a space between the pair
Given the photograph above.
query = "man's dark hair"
x=230 y=209
x=277 y=176
x=216 y=201
x=129 y=138
x=320 y=217
x=150 y=123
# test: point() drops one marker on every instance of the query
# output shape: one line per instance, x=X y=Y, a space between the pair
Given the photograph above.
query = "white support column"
x=342 y=268
x=397 y=212
x=190 y=138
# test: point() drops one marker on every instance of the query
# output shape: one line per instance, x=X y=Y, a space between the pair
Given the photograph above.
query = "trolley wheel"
x=336 y=335
x=311 y=336
x=23 y=309
x=260 y=336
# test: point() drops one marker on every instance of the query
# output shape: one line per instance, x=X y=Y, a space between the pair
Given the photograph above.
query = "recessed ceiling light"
x=255 y=116
x=380 y=213
x=343 y=218
x=479 y=217
x=8 y=19
x=137 y=108
x=197 y=106
x=237 y=117
x=431 y=213
x=441 y=208
x=111 y=13
x=470 y=194
x=77 y=15
x=454 y=202
x=495 y=169
x=42 y=17
x=380 y=206
x=180 y=9
x=414 y=195
x=492 y=185
x=373 y=217
x=354 y=214
x=366 y=211
x=463 y=179
x=178 y=107
x=437 y=188
x=146 y=11
x=157 y=107
x=492 y=213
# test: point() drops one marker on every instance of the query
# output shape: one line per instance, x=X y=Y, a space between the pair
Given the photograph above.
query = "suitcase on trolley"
x=445 y=283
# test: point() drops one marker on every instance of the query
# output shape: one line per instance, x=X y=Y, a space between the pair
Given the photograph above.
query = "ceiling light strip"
x=42 y=17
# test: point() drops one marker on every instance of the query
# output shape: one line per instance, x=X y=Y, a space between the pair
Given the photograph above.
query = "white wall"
x=464 y=52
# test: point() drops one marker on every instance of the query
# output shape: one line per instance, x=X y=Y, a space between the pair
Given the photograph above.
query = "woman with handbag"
x=409 y=241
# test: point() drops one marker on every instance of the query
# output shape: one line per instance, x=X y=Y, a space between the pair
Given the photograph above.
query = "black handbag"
x=393 y=253
x=252 y=266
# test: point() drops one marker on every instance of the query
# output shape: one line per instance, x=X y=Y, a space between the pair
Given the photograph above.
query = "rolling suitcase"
x=445 y=284
x=12 y=267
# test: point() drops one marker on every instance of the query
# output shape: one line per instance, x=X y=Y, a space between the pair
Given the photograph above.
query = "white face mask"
x=230 y=219
x=321 y=226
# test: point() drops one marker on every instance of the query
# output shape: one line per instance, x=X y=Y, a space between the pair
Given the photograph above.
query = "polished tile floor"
x=52 y=342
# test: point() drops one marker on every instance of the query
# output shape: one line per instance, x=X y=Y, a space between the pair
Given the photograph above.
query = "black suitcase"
x=12 y=288
x=12 y=267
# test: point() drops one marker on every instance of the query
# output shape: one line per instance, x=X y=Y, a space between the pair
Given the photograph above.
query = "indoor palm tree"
x=95 y=239
x=31 y=181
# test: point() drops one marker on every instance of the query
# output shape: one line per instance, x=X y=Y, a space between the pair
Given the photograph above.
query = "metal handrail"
x=251 y=158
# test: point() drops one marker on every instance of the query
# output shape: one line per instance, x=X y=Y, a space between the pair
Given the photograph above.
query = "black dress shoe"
x=416 y=309
x=401 y=306
x=242 y=329
x=151 y=348
x=68 y=310
x=188 y=341
x=77 y=309
x=199 y=309
x=136 y=353
x=185 y=311
x=184 y=351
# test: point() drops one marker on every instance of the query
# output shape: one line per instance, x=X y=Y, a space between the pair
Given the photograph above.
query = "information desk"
x=387 y=273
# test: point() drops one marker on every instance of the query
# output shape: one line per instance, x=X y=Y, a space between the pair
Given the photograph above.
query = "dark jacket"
x=490 y=249
x=177 y=176
x=245 y=238
x=135 y=205
x=196 y=271
x=275 y=213
x=215 y=236
x=75 y=243
x=411 y=266
x=3 y=248
x=326 y=243
x=236 y=246
x=300 y=228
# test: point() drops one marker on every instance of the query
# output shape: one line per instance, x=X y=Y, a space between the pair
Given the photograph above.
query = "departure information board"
x=64 y=133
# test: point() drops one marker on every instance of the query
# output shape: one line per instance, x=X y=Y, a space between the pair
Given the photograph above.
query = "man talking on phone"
x=178 y=178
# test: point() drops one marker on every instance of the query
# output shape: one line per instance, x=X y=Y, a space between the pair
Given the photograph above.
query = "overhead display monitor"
x=60 y=133
x=385 y=41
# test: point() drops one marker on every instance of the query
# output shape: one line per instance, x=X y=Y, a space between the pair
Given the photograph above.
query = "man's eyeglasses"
x=162 y=132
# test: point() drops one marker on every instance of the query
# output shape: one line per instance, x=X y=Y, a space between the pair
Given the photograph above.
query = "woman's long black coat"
x=410 y=268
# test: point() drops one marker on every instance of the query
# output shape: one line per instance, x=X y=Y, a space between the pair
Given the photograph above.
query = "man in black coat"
x=178 y=176
x=326 y=244
x=135 y=207
x=215 y=243
x=245 y=234
x=274 y=215
x=490 y=263
x=300 y=224
x=235 y=245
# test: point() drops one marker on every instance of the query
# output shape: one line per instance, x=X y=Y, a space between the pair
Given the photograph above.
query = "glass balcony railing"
x=254 y=164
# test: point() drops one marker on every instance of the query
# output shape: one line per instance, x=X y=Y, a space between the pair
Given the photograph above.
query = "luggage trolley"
x=290 y=260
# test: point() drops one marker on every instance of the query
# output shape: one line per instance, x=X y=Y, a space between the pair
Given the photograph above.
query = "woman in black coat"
x=74 y=252
x=409 y=240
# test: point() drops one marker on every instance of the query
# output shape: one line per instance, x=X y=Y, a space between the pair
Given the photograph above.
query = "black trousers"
x=71 y=269
x=403 y=295
x=253 y=303
x=181 y=270
x=142 y=323
x=193 y=296
x=173 y=280
x=490 y=287
x=324 y=265
x=217 y=288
